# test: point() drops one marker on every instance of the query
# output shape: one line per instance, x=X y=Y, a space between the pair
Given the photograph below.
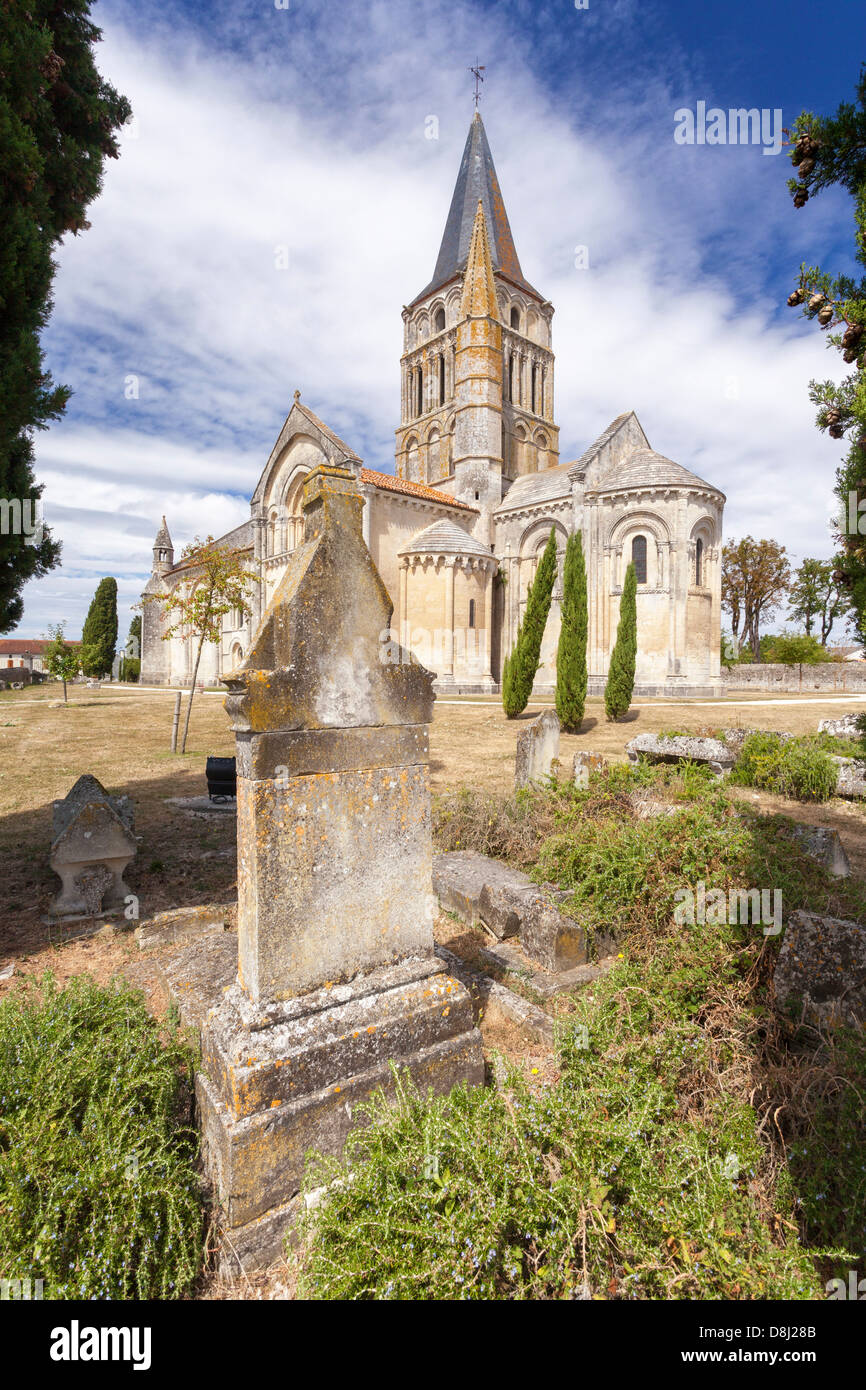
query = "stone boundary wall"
x=839 y=676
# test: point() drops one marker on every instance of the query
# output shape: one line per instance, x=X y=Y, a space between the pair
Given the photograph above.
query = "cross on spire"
x=477 y=71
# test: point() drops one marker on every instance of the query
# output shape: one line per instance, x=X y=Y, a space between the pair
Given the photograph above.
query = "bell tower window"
x=439 y=320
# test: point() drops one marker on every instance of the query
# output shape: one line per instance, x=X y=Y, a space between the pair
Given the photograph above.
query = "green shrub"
x=99 y=1194
x=797 y=767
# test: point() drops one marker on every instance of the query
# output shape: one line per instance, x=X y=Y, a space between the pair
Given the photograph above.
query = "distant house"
x=847 y=653
x=23 y=654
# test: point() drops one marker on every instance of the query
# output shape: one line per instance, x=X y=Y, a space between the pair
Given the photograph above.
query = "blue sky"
x=300 y=135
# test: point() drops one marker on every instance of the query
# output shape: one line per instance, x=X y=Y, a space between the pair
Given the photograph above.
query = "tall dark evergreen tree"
x=830 y=152
x=571 y=675
x=99 y=634
x=623 y=658
x=57 y=118
x=520 y=667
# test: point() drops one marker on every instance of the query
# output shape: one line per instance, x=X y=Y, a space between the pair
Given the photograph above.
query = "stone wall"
x=841 y=676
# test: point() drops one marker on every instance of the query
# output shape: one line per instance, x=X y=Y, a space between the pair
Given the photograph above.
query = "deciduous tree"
x=219 y=584
x=755 y=579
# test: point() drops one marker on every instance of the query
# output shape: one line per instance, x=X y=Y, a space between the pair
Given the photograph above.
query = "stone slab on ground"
x=505 y=901
x=202 y=805
x=851 y=781
x=166 y=928
x=822 y=962
x=826 y=846
x=512 y=1004
x=544 y=982
x=846 y=727
x=717 y=754
x=537 y=755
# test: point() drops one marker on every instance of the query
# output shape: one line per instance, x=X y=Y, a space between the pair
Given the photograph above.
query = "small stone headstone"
x=584 y=763
x=826 y=846
x=92 y=847
x=537 y=750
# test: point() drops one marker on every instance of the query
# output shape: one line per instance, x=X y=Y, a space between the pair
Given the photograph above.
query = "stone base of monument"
x=280 y=1079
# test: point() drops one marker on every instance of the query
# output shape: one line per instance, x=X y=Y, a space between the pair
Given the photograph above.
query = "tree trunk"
x=65 y=696
x=191 y=693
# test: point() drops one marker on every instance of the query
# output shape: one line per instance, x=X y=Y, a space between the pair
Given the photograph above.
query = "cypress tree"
x=620 y=676
x=571 y=673
x=520 y=667
x=99 y=634
x=57 y=118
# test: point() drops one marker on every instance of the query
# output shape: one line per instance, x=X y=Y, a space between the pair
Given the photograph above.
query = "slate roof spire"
x=476 y=182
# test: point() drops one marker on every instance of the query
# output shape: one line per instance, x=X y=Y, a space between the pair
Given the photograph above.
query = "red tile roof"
x=389 y=483
x=16 y=646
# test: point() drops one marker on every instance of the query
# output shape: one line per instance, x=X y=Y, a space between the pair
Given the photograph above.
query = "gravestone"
x=851 y=777
x=584 y=763
x=334 y=976
x=537 y=750
x=93 y=845
x=822 y=968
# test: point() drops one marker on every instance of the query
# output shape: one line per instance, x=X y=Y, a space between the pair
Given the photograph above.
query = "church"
x=458 y=529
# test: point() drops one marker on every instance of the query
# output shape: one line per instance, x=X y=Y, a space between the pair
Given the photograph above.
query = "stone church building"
x=458 y=530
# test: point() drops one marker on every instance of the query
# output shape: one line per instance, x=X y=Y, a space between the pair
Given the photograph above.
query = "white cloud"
x=312 y=138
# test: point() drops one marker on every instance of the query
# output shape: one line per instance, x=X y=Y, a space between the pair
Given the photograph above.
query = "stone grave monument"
x=333 y=976
x=93 y=845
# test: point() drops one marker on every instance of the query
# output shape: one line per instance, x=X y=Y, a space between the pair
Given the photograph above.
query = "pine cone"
x=850 y=354
x=852 y=335
x=796 y=298
x=816 y=300
x=801 y=197
x=825 y=315
x=806 y=147
x=805 y=168
x=835 y=431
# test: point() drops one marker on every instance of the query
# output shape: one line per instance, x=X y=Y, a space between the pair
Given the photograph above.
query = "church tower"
x=477 y=364
x=163 y=550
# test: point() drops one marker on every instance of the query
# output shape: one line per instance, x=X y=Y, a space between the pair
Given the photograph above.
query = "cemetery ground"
x=674 y=1015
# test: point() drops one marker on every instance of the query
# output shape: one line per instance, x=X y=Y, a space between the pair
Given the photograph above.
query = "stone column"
x=333 y=975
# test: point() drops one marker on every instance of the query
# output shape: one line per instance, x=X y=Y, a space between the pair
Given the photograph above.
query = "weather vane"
x=477 y=71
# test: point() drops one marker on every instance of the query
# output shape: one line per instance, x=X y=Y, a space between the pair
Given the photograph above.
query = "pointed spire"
x=479 y=287
x=476 y=180
x=163 y=539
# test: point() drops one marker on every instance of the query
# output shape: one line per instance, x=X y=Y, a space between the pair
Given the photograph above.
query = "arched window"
x=439 y=320
x=515 y=319
x=638 y=558
x=472 y=612
x=699 y=562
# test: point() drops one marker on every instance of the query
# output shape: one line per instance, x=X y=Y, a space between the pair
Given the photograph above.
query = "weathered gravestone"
x=679 y=748
x=335 y=976
x=537 y=750
x=822 y=968
x=584 y=763
x=92 y=847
